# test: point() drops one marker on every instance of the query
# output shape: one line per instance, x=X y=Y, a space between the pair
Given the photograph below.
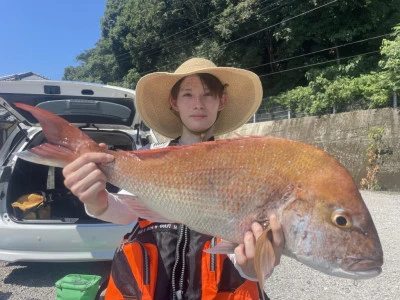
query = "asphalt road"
x=291 y=280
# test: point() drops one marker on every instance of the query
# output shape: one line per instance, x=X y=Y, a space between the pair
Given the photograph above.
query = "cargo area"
x=29 y=181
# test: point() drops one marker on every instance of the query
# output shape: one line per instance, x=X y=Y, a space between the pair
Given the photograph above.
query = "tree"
x=391 y=60
x=342 y=86
x=278 y=39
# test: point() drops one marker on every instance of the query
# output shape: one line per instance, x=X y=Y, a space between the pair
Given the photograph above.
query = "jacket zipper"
x=213 y=256
x=178 y=294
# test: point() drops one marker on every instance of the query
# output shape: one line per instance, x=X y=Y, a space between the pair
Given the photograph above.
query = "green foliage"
x=345 y=86
x=376 y=153
x=391 y=61
x=298 y=47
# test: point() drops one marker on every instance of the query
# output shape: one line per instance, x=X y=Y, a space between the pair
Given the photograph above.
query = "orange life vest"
x=167 y=261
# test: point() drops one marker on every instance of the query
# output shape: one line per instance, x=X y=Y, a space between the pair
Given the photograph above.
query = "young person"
x=191 y=105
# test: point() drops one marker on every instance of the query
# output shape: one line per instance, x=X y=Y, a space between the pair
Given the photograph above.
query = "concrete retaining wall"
x=345 y=136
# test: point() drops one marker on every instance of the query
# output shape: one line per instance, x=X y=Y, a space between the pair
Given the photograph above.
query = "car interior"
x=58 y=204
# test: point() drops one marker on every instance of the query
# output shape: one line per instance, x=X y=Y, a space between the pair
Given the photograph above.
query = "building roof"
x=23 y=76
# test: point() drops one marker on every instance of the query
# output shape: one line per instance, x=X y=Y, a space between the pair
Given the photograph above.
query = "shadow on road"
x=41 y=274
x=5 y=296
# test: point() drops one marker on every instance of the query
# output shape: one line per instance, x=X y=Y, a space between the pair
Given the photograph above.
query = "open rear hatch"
x=36 y=193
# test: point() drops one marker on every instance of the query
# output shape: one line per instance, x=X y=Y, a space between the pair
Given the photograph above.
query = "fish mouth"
x=365 y=274
x=362 y=268
x=350 y=268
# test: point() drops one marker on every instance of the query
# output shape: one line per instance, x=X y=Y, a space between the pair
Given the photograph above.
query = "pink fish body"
x=220 y=188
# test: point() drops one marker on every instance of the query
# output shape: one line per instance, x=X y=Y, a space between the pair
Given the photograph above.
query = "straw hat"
x=243 y=89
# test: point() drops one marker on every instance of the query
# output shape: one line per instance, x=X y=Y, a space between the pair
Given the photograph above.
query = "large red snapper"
x=219 y=188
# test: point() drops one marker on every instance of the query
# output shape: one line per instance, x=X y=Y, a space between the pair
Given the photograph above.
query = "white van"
x=59 y=229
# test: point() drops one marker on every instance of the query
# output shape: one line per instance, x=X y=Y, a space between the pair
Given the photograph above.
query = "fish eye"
x=341 y=220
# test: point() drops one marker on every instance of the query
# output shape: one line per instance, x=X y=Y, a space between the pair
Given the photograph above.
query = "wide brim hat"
x=243 y=89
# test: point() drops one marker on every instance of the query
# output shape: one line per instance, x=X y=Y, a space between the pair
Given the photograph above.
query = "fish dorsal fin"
x=155 y=153
x=264 y=260
x=159 y=151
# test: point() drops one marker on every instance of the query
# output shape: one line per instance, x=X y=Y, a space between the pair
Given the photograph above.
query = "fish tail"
x=65 y=141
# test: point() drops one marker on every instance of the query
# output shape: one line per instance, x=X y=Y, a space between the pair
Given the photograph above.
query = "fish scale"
x=221 y=187
x=235 y=192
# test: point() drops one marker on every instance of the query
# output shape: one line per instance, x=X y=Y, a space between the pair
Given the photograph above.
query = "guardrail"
x=280 y=113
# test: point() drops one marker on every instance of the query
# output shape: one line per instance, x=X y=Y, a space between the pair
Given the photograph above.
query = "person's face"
x=196 y=105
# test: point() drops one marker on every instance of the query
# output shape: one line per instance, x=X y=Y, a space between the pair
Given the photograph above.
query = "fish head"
x=333 y=232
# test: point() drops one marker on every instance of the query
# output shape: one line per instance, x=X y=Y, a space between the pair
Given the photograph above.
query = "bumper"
x=59 y=242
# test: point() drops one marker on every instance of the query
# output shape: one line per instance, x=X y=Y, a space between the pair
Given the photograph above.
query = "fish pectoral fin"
x=223 y=247
x=264 y=260
x=142 y=210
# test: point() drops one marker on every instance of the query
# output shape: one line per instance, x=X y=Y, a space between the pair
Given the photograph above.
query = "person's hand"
x=245 y=252
x=87 y=181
